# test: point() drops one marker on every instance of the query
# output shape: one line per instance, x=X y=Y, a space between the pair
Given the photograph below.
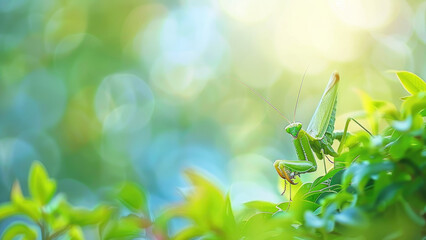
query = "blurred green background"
x=106 y=91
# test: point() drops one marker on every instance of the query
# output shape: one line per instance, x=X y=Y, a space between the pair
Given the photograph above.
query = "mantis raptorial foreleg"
x=287 y=169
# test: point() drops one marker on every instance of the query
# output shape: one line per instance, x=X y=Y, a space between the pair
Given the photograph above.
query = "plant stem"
x=43 y=230
x=59 y=232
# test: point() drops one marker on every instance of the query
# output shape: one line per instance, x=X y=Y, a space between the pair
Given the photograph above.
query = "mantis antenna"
x=298 y=94
x=264 y=99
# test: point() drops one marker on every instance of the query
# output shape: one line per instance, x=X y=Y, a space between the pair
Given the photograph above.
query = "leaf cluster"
x=44 y=215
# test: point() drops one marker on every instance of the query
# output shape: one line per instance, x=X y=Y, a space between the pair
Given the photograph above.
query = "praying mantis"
x=318 y=137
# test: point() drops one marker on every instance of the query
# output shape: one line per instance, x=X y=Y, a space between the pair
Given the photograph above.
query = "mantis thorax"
x=293 y=129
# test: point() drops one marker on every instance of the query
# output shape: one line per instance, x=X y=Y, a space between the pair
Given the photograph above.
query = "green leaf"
x=312 y=196
x=228 y=216
x=324 y=195
x=370 y=110
x=411 y=82
x=308 y=205
x=188 y=233
x=313 y=221
x=358 y=174
x=414 y=105
x=41 y=187
x=352 y=217
x=256 y=222
x=204 y=201
x=302 y=191
x=284 y=206
x=75 y=233
x=133 y=197
x=128 y=227
x=337 y=178
x=338 y=201
x=82 y=216
x=262 y=206
x=400 y=146
x=388 y=195
x=16 y=192
x=7 y=210
x=412 y=214
x=328 y=215
x=22 y=205
x=19 y=229
x=322 y=179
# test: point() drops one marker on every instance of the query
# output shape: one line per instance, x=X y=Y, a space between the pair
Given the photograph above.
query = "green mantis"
x=317 y=139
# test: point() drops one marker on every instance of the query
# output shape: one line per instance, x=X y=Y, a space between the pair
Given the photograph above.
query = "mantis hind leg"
x=343 y=135
x=323 y=159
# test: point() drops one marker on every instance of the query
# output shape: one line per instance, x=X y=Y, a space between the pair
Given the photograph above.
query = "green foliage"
x=19 y=229
x=56 y=218
x=375 y=191
x=133 y=198
x=411 y=82
x=41 y=187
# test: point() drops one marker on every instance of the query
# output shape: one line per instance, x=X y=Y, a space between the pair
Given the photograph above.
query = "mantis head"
x=293 y=129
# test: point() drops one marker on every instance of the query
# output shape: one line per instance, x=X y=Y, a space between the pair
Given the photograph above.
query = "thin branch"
x=59 y=232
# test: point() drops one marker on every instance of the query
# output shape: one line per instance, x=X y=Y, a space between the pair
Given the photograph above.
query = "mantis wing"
x=323 y=119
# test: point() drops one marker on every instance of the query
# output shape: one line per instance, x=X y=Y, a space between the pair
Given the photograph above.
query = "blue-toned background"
x=106 y=91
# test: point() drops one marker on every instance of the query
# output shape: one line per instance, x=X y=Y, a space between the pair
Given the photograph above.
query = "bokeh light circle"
x=391 y=54
x=124 y=102
x=41 y=100
x=16 y=157
x=364 y=14
x=250 y=11
x=186 y=34
x=420 y=23
x=66 y=28
x=8 y=6
x=294 y=42
x=183 y=50
x=185 y=81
